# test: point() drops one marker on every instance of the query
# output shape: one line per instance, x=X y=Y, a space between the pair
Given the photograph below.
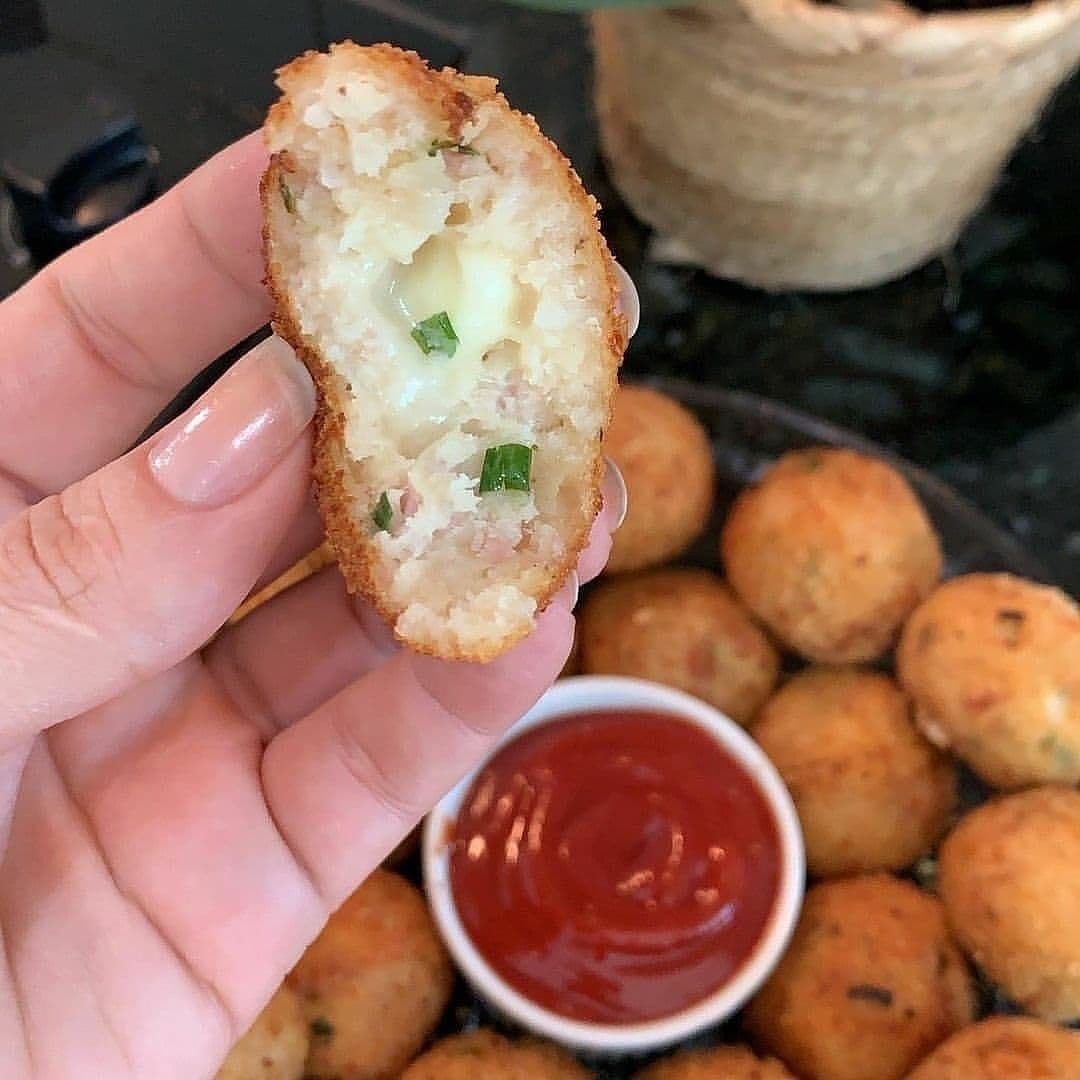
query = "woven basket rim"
x=895 y=28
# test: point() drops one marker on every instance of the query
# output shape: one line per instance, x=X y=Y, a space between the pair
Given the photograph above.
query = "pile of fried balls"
x=875 y=688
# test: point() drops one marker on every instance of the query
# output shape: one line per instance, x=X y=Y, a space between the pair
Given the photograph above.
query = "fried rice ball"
x=274 y=1047
x=1005 y=1048
x=871 y=792
x=870 y=983
x=484 y=1055
x=435 y=262
x=716 y=1063
x=681 y=627
x=665 y=457
x=1009 y=875
x=373 y=983
x=993 y=665
x=831 y=550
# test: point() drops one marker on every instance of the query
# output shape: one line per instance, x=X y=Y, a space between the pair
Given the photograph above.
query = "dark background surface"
x=969 y=366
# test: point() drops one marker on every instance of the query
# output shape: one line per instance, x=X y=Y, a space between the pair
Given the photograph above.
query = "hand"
x=177 y=824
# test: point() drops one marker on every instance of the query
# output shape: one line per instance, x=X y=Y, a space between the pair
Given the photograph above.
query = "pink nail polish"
x=567 y=596
x=237 y=431
x=615 y=494
x=629 y=303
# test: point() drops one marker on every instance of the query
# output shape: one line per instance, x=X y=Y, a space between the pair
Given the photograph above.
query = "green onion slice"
x=287 y=196
x=506 y=468
x=436 y=334
x=450 y=144
x=383 y=513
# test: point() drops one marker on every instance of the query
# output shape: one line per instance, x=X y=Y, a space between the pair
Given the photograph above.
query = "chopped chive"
x=436 y=334
x=877 y=995
x=287 y=197
x=506 y=468
x=450 y=144
x=383 y=513
x=321 y=1028
x=1061 y=754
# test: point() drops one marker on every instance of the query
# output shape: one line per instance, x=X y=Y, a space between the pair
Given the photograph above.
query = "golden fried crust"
x=1010 y=880
x=871 y=792
x=457 y=97
x=274 y=1047
x=665 y=457
x=869 y=985
x=993 y=664
x=374 y=983
x=716 y=1063
x=832 y=551
x=682 y=627
x=485 y=1055
x=1005 y=1048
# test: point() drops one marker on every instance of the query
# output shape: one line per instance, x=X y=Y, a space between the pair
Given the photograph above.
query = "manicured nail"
x=238 y=430
x=567 y=596
x=629 y=303
x=613 y=489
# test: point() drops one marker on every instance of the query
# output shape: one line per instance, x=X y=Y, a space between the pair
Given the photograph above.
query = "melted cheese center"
x=476 y=287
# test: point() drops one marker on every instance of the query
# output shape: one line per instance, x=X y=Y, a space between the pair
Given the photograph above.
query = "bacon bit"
x=410 y=501
x=495 y=544
x=519 y=406
x=462 y=166
x=497 y=549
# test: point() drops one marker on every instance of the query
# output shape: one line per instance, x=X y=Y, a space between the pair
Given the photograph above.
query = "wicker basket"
x=796 y=144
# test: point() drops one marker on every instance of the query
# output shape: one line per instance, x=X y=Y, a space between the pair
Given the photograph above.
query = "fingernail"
x=238 y=430
x=613 y=489
x=567 y=596
x=628 y=303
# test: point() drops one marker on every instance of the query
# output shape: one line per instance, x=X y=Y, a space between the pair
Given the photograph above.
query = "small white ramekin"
x=589 y=693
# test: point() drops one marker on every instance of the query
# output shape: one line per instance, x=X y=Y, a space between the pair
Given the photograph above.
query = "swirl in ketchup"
x=615 y=867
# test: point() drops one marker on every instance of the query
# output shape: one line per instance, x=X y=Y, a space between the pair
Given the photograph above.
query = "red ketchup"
x=615 y=867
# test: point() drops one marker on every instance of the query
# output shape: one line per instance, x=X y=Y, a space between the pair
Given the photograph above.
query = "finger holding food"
x=993 y=664
x=871 y=792
x=1009 y=875
x=374 y=982
x=436 y=263
x=832 y=550
x=869 y=985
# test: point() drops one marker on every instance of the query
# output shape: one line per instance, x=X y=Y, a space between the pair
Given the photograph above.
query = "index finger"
x=103 y=338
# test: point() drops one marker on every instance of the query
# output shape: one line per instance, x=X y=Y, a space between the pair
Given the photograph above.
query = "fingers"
x=346 y=782
x=128 y=571
x=300 y=649
x=308 y=643
x=103 y=338
x=302 y=537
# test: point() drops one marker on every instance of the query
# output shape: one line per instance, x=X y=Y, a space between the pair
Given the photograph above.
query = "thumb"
x=127 y=572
